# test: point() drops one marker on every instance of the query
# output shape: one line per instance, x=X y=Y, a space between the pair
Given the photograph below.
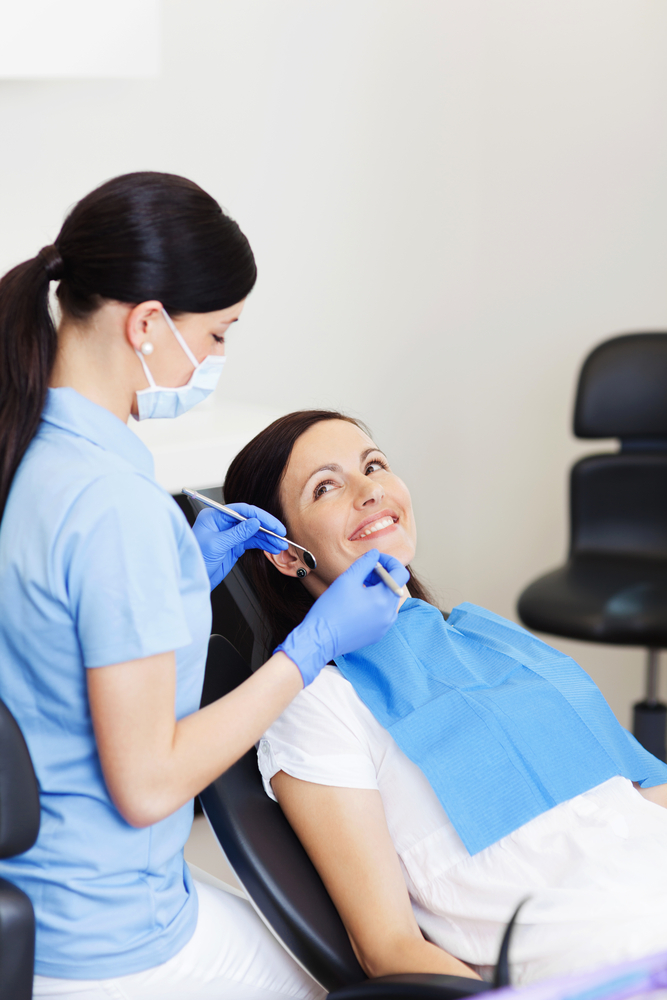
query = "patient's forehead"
x=329 y=442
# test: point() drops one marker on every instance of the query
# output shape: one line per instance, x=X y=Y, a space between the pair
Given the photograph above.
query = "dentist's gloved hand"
x=222 y=539
x=355 y=611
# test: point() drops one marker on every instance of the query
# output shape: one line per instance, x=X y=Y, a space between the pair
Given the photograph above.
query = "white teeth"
x=384 y=522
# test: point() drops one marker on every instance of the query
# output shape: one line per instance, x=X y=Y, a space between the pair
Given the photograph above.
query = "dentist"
x=104 y=592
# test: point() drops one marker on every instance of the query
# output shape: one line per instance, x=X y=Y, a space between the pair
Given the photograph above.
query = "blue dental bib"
x=503 y=726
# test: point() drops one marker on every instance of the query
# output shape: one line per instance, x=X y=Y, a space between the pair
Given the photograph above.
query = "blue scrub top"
x=97 y=566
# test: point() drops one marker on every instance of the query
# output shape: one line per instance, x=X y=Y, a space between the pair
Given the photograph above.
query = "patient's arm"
x=345 y=833
x=657 y=794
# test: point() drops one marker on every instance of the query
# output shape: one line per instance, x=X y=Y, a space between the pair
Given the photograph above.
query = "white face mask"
x=165 y=401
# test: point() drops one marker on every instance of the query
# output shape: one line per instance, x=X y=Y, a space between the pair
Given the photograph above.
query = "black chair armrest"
x=412 y=986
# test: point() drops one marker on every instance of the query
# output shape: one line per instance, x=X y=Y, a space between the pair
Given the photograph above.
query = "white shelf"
x=73 y=39
x=195 y=449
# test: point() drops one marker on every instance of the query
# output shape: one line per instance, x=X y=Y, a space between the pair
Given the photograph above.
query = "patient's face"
x=340 y=499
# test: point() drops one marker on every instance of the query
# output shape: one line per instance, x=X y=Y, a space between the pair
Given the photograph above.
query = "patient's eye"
x=322 y=488
x=376 y=465
x=218 y=338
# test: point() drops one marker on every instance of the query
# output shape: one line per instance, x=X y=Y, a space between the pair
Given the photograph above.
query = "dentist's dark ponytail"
x=138 y=237
x=27 y=351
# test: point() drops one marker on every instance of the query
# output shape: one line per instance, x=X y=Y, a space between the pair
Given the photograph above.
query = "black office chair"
x=613 y=587
x=19 y=826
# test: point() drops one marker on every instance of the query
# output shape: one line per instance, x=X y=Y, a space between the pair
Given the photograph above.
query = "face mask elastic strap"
x=147 y=371
x=179 y=338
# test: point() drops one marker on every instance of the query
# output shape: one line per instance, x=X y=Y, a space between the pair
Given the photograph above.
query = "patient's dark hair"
x=138 y=237
x=255 y=477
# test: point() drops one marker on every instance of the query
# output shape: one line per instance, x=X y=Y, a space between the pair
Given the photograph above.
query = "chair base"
x=650 y=726
x=650 y=715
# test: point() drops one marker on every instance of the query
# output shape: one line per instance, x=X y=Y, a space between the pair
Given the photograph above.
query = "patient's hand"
x=657 y=794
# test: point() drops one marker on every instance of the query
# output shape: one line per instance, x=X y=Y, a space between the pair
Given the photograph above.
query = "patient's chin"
x=400 y=549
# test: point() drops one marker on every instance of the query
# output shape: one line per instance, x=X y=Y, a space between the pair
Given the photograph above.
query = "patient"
x=421 y=887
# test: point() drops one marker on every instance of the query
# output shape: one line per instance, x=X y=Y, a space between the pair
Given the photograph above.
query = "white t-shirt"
x=594 y=867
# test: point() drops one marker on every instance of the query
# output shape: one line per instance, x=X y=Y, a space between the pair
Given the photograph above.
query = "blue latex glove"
x=222 y=539
x=355 y=611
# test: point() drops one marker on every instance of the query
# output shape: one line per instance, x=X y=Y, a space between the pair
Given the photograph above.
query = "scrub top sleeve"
x=121 y=563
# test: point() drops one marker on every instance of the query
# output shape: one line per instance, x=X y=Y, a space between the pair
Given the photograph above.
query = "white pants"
x=230 y=956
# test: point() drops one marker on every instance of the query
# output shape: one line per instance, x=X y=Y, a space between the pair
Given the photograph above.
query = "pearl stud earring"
x=146 y=348
x=301 y=572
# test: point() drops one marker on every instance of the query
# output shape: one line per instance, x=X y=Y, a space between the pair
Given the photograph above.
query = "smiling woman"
x=443 y=774
x=320 y=469
x=343 y=508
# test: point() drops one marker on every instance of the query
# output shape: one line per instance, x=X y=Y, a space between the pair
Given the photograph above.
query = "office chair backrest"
x=266 y=855
x=618 y=505
x=622 y=391
x=618 y=501
x=19 y=826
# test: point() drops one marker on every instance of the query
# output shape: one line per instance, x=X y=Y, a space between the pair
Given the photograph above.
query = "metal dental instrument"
x=387 y=578
x=307 y=556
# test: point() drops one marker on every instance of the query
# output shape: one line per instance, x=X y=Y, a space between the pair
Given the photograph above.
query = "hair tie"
x=52 y=261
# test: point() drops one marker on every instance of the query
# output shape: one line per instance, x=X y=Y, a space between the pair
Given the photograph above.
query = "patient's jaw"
x=340 y=499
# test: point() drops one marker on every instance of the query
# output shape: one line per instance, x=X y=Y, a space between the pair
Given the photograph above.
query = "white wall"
x=451 y=202
x=76 y=38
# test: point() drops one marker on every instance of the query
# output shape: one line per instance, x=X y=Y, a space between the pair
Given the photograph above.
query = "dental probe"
x=387 y=578
x=307 y=557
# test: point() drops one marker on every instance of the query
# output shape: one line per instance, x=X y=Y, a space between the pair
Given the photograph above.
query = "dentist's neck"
x=95 y=359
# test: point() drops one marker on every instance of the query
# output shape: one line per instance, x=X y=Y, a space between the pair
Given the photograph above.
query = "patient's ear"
x=286 y=562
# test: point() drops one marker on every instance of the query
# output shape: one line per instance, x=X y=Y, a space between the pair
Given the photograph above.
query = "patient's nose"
x=370 y=493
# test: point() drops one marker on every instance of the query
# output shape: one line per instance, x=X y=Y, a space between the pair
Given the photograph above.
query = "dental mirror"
x=307 y=557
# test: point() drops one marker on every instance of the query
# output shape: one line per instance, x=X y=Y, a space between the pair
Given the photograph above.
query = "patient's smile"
x=380 y=523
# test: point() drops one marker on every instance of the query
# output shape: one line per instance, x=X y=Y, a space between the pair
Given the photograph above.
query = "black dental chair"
x=263 y=850
x=236 y=612
x=281 y=882
x=19 y=826
x=613 y=587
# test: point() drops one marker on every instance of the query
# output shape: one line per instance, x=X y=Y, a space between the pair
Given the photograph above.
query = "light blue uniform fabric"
x=503 y=726
x=97 y=566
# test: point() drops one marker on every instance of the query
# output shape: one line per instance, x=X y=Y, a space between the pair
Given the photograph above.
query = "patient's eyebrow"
x=333 y=467
x=369 y=451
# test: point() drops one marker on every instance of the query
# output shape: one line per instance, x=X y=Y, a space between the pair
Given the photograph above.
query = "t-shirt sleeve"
x=323 y=736
x=122 y=568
